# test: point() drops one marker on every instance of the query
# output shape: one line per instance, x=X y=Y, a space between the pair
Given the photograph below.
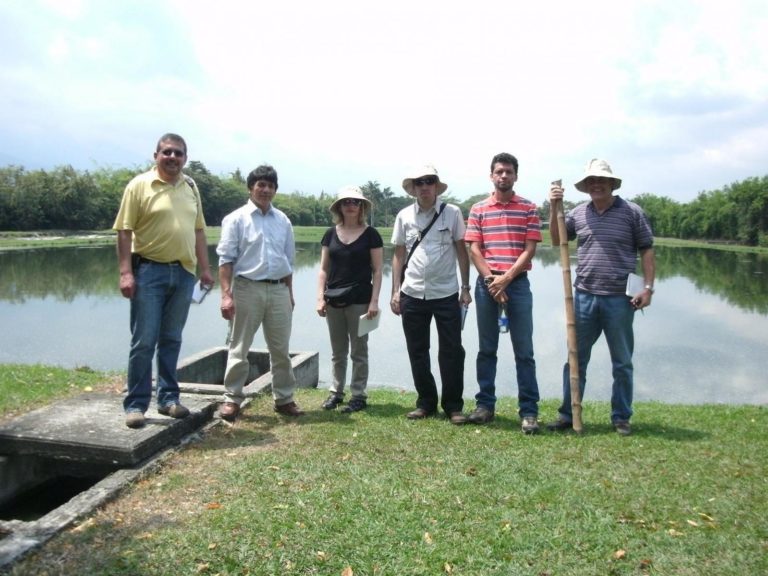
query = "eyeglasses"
x=426 y=180
x=351 y=202
x=173 y=152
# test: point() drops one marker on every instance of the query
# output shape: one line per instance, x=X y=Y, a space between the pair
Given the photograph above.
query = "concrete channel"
x=61 y=462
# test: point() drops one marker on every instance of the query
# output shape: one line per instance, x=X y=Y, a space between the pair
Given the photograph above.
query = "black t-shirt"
x=351 y=263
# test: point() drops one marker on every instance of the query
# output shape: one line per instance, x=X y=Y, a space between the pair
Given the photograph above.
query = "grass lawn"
x=372 y=493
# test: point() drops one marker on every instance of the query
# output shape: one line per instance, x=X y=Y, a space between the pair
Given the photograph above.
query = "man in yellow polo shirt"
x=160 y=242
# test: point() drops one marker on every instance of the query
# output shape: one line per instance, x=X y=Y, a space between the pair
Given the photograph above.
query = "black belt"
x=266 y=280
x=141 y=260
x=518 y=277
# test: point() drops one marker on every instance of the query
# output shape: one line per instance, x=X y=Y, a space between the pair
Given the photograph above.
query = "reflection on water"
x=703 y=340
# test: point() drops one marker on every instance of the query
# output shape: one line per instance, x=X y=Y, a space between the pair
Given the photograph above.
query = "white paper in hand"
x=635 y=285
x=200 y=292
x=366 y=325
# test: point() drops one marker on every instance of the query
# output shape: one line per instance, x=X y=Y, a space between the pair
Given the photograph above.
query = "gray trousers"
x=342 y=326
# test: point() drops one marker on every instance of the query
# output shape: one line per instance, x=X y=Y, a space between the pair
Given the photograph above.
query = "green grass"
x=373 y=493
x=25 y=387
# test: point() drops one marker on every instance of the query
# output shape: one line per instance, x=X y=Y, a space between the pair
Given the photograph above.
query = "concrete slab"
x=87 y=433
x=203 y=373
x=91 y=428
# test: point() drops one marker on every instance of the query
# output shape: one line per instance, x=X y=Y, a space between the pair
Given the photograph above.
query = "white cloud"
x=338 y=92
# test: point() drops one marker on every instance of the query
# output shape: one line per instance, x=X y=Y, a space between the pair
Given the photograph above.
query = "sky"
x=674 y=95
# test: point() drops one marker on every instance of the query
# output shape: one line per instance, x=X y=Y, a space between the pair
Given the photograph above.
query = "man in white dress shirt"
x=256 y=256
x=429 y=244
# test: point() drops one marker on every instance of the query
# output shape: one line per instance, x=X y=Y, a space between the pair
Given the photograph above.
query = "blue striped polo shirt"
x=607 y=244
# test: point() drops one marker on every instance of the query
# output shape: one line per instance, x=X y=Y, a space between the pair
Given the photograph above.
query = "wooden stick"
x=570 y=315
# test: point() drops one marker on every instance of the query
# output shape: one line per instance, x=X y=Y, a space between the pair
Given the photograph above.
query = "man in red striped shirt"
x=502 y=233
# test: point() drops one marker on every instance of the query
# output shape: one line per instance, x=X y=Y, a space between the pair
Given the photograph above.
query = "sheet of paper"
x=200 y=292
x=366 y=325
x=635 y=285
x=464 y=310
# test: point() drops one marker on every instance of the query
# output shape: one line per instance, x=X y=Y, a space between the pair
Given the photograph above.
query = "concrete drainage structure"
x=62 y=461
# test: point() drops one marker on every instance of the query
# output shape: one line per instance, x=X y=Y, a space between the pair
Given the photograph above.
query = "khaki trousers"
x=256 y=304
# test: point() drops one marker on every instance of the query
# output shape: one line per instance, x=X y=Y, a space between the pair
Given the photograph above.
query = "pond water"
x=704 y=339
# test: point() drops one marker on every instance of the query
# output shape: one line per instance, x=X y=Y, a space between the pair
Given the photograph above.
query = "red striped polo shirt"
x=502 y=229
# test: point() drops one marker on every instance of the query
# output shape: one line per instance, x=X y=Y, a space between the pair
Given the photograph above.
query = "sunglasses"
x=426 y=180
x=173 y=152
x=351 y=202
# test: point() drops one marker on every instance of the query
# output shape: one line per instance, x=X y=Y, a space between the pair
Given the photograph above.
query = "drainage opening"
x=36 y=502
x=33 y=486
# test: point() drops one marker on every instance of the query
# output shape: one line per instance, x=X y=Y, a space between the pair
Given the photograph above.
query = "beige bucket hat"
x=421 y=172
x=353 y=192
x=599 y=168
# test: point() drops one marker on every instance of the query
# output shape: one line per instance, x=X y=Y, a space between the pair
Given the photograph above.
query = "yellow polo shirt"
x=163 y=218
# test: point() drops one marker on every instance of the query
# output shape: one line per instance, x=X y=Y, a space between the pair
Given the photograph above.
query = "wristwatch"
x=650 y=288
x=466 y=287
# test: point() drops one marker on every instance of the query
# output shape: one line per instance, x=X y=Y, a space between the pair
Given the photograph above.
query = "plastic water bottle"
x=503 y=320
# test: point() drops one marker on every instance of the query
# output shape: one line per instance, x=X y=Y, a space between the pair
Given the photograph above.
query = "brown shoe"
x=173 y=410
x=228 y=411
x=457 y=418
x=290 y=409
x=135 y=420
x=419 y=414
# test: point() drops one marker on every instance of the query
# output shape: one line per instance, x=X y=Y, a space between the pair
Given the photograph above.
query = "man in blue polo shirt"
x=610 y=232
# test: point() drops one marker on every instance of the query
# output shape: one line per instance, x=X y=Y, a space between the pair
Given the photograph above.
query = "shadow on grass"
x=640 y=430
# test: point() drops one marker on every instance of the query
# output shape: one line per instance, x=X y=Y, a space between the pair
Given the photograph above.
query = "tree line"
x=67 y=199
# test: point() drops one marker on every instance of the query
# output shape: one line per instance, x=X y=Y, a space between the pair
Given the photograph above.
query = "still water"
x=704 y=339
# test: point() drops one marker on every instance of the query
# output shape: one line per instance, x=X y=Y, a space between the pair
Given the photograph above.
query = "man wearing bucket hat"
x=610 y=233
x=502 y=232
x=348 y=287
x=429 y=241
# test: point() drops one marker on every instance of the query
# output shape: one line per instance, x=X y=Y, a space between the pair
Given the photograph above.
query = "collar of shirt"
x=431 y=209
x=253 y=208
x=494 y=200
x=156 y=178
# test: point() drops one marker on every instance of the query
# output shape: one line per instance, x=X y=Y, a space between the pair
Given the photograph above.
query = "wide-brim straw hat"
x=599 y=168
x=349 y=192
x=420 y=172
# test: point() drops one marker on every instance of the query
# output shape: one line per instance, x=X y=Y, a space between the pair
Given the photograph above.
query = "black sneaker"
x=559 y=425
x=622 y=427
x=481 y=415
x=355 y=405
x=332 y=401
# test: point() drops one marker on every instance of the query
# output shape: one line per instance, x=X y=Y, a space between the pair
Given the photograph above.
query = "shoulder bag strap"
x=418 y=241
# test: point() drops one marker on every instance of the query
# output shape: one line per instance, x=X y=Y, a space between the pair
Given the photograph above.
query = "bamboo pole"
x=570 y=315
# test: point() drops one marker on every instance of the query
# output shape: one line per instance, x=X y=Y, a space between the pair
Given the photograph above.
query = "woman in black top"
x=348 y=287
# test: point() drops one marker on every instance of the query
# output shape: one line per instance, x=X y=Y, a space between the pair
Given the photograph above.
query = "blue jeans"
x=417 y=315
x=612 y=315
x=519 y=307
x=159 y=309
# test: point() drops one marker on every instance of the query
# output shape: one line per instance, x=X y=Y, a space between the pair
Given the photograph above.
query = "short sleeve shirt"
x=163 y=218
x=607 y=244
x=502 y=229
x=431 y=271
x=351 y=263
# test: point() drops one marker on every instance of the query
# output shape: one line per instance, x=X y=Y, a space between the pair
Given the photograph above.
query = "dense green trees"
x=737 y=213
x=66 y=199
